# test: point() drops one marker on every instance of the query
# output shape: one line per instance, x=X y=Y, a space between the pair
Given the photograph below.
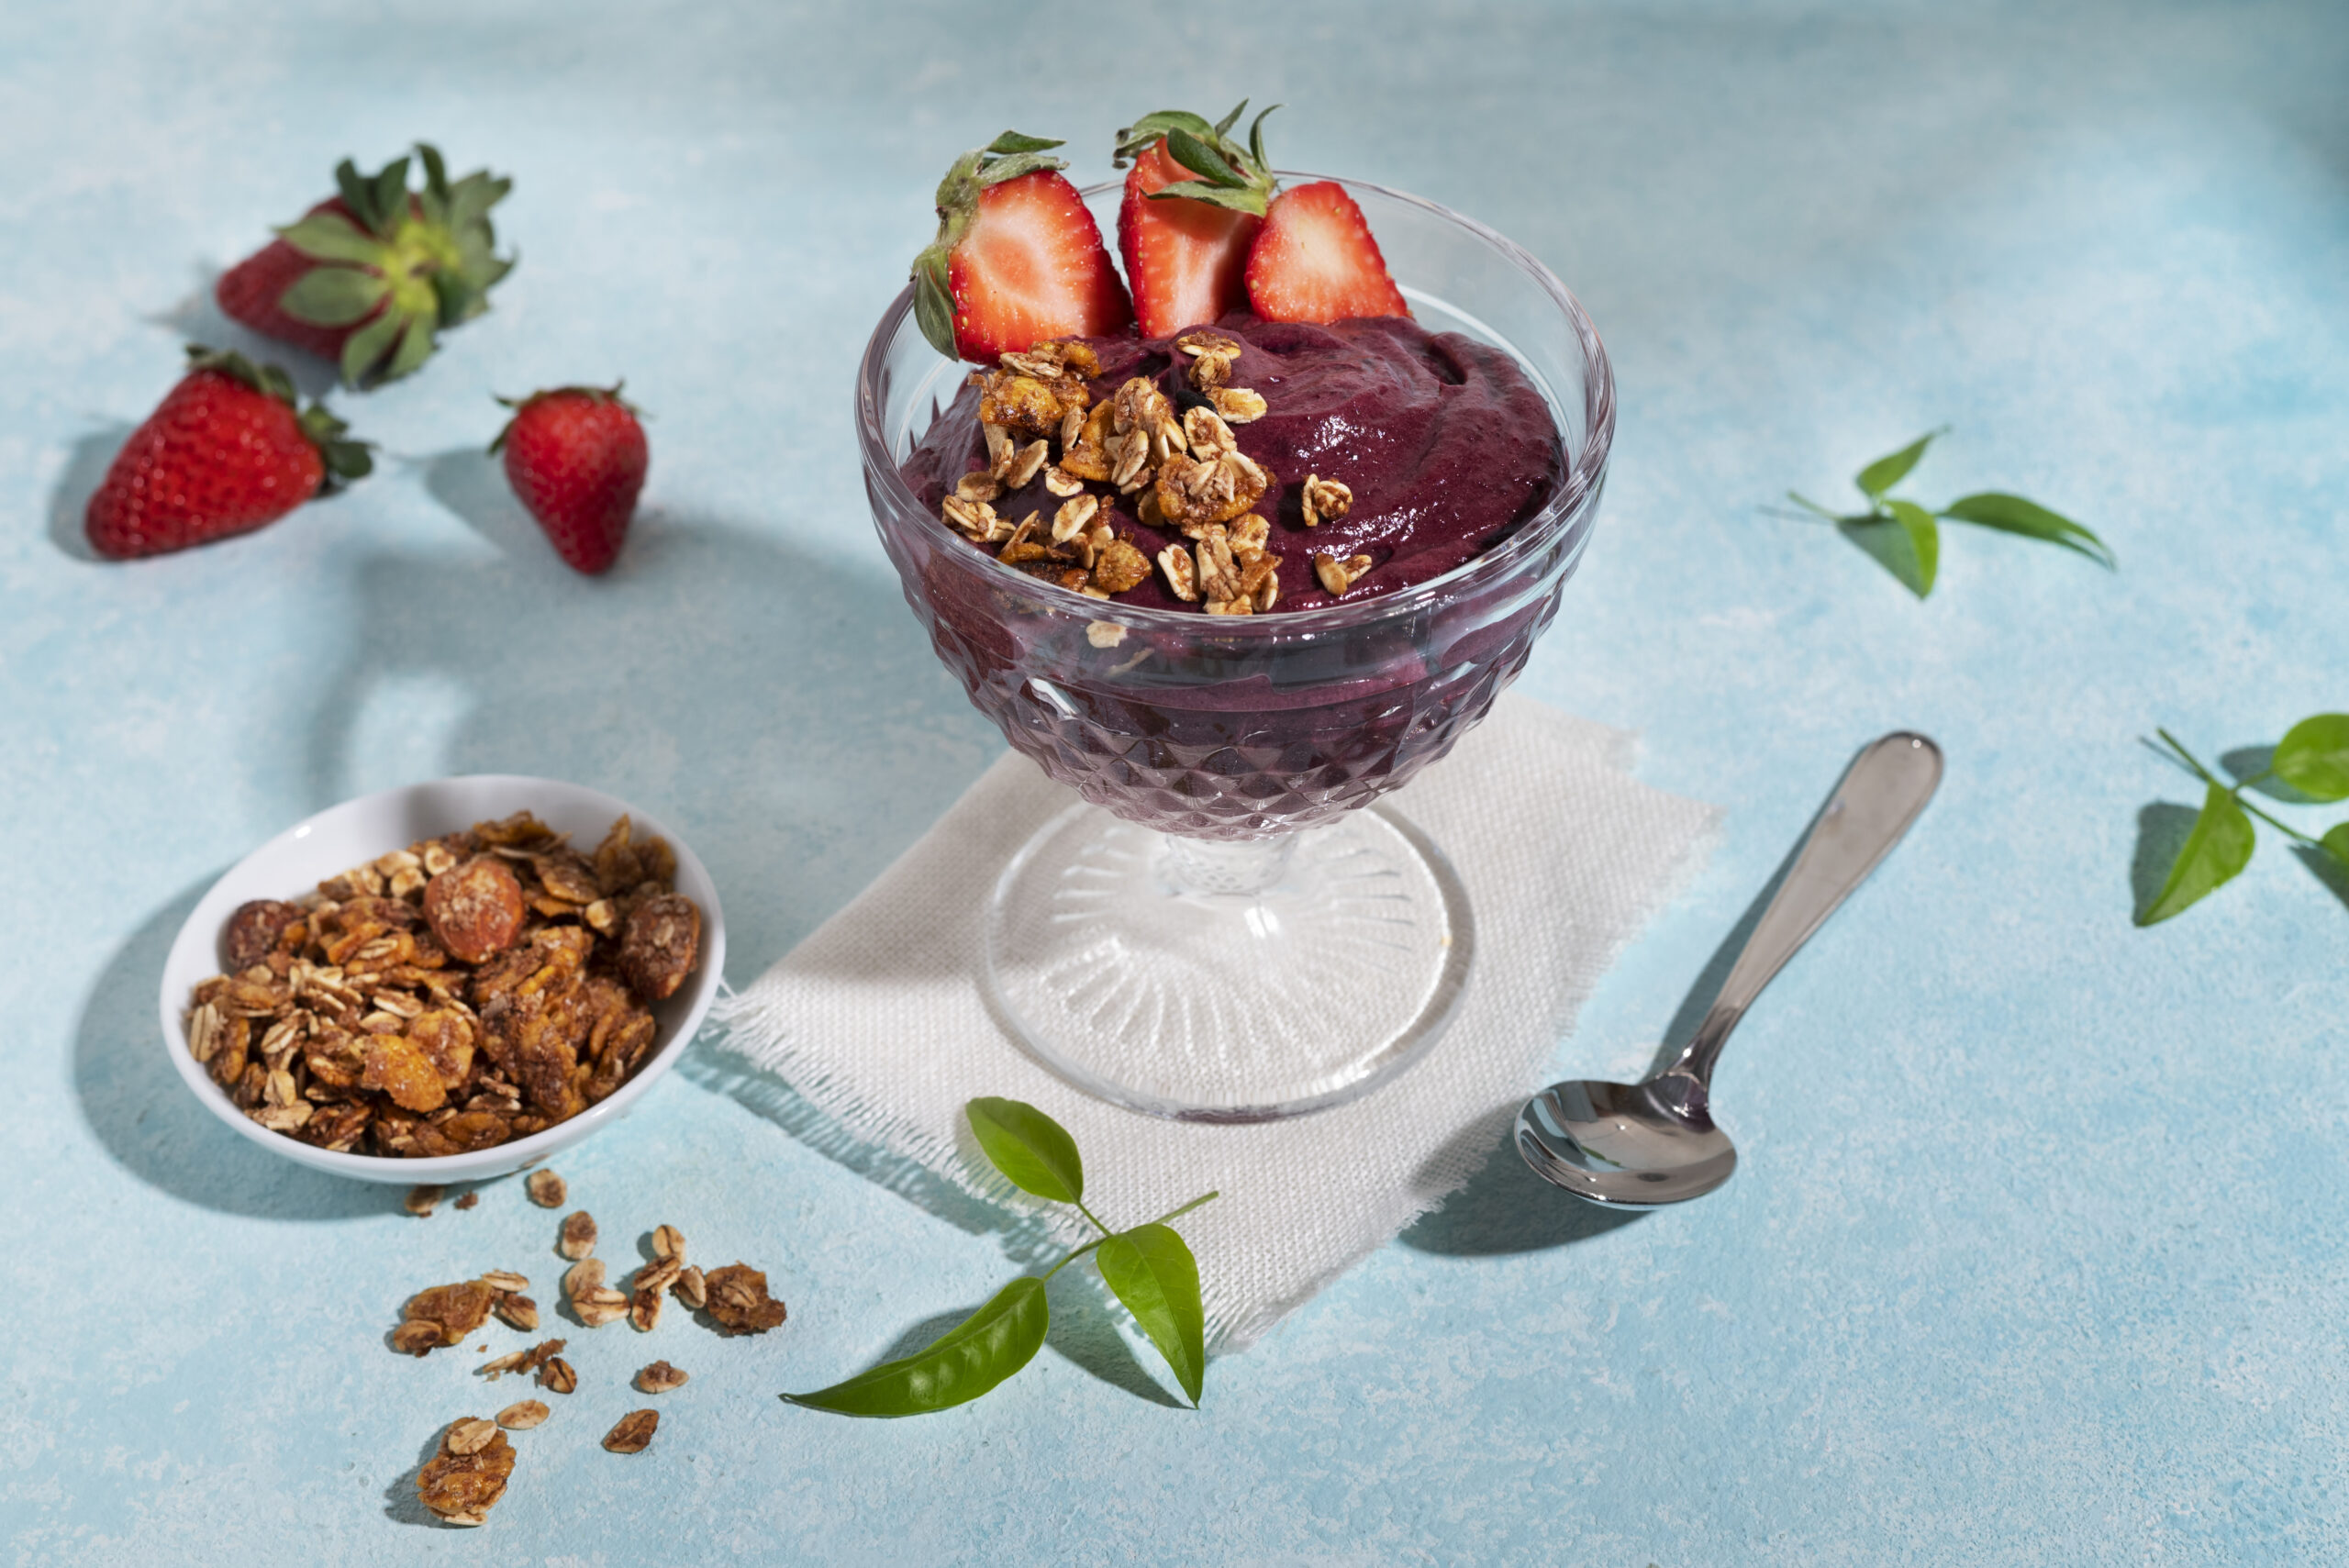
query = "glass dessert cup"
x=1233 y=928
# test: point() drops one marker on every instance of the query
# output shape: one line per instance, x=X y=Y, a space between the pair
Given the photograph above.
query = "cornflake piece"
x=691 y=1288
x=634 y=1432
x=522 y=1414
x=461 y=1486
x=738 y=1298
x=470 y=1435
x=668 y=1241
x=420 y=1200
x=545 y=1188
x=578 y=1235
x=557 y=1377
x=659 y=1378
x=1324 y=499
x=1119 y=567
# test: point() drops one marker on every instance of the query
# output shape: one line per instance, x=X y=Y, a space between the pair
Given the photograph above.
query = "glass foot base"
x=1212 y=982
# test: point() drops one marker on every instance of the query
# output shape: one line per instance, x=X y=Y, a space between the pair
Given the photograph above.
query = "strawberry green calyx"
x=413 y=261
x=345 y=460
x=1008 y=157
x=1230 y=176
x=593 y=393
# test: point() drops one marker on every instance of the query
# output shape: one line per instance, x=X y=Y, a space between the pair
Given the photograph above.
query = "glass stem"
x=1212 y=866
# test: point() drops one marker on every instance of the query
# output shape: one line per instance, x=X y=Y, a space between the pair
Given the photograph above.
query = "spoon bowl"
x=1645 y=1145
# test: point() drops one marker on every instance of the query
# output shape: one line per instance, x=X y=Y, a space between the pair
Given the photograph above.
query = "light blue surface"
x=2036 y=1255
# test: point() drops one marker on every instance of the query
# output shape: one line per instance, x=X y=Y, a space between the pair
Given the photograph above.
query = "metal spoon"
x=1645 y=1145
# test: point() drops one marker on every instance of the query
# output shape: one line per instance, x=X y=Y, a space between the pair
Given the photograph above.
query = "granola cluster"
x=1184 y=472
x=452 y=996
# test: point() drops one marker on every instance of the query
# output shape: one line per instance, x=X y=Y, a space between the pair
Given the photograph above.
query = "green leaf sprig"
x=1150 y=1269
x=2313 y=759
x=1228 y=174
x=1905 y=538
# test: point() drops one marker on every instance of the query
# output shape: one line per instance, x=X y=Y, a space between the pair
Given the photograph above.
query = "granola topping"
x=1324 y=500
x=739 y=1300
x=634 y=1432
x=659 y=1378
x=522 y=1414
x=1336 y=575
x=462 y=1484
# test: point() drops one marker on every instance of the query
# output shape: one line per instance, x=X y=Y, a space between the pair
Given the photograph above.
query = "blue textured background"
x=2037 y=1254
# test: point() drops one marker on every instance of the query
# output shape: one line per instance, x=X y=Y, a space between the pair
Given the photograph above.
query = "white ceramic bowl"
x=358 y=830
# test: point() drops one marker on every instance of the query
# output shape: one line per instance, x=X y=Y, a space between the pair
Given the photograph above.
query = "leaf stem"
x=1091 y=1215
x=1170 y=1213
x=1177 y=1213
x=1809 y=505
x=2236 y=790
x=1074 y=1256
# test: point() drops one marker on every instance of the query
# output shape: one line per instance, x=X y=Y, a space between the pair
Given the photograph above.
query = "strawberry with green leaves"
x=1194 y=200
x=226 y=451
x=576 y=458
x=368 y=277
x=1017 y=258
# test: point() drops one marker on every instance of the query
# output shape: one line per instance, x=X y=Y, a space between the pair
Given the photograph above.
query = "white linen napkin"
x=878 y=1019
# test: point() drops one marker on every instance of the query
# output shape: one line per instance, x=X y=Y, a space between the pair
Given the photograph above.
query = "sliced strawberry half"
x=1315 y=260
x=1017 y=258
x=1194 y=202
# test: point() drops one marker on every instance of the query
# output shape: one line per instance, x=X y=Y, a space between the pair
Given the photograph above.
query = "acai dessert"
x=1249 y=422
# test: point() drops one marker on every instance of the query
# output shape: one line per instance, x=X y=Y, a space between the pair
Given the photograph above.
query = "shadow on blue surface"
x=85 y=468
x=196 y=319
x=403 y=1504
x=2161 y=829
x=145 y=1120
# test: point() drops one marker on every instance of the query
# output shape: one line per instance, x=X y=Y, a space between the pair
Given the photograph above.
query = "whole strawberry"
x=576 y=458
x=224 y=452
x=369 y=276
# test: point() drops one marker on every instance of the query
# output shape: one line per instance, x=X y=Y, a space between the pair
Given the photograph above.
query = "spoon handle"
x=1881 y=795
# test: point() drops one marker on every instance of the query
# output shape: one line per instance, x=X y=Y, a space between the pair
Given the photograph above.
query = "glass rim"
x=1583 y=474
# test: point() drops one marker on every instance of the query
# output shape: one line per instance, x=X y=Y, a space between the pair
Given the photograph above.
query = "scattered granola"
x=421 y=1201
x=668 y=1241
x=443 y=1314
x=1324 y=500
x=634 y=1432
x=470 y=1435
x=557 y=1376
x=578 y=1238
x=736 y=1297
x=546 y=1189
x=516 y=1311
x=691 y=1288
x=462 y=1484
x=448 y=997
x=468 y=1200
x=522 y=1414
x=659 y=1378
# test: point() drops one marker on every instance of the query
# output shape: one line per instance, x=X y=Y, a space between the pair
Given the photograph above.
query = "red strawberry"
x=367 y=277
x=576 y=457
x=1316 y=261
x=1017 y=258
x=224 y=452
x=1194 y=203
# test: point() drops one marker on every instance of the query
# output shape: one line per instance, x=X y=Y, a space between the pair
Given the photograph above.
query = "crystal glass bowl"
x=1224 y=933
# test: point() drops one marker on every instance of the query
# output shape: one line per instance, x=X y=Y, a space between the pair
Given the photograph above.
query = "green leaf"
x=1140 y=136
x=933 y=306
x=330 y=237
x=1256 y=140
x=389 y=190
x=1152 y=1272
x=1018 y=163
x=1223 y=126
x=2214 y=852
x=334 y=297
x=416 y=346
x=2013 y=515
x=436 y=171
x=1015 y=141
x=2336 y=841
x=1032 y=1150
x=1246 y=199
x=2313 y=757
x=1924 y=540
x=1886 y=472
x=964 y=1362
x=364 y=347
x=357 y=194
x=1202 y=160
